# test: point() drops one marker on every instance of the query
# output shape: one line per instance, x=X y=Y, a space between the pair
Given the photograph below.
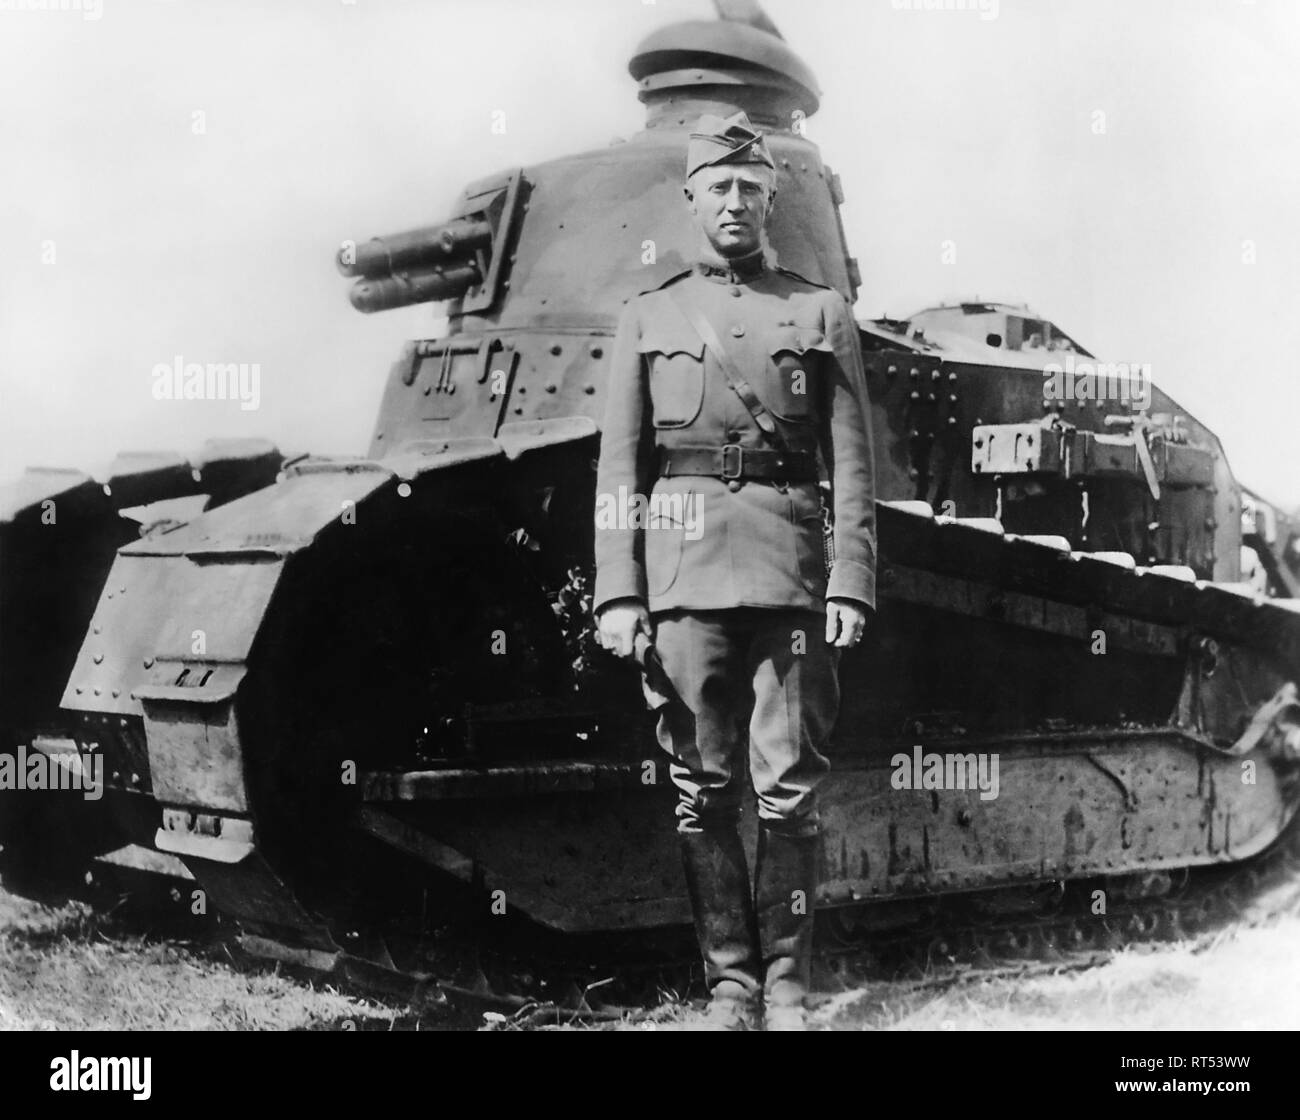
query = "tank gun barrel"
x=383 y=293
x=420 y=266
x=416 y=249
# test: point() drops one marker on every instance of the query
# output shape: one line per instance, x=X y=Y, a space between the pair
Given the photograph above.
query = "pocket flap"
x=670 y=338
x=798 y=340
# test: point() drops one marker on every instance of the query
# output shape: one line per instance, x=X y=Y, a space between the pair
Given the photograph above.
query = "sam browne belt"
x=732 y=461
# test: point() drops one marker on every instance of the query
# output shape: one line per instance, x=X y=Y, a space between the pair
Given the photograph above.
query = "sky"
x=176 y=176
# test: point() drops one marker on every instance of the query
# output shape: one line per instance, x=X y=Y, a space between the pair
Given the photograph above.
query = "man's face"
x=730 y=204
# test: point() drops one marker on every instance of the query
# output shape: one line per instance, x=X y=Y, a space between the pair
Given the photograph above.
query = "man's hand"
x=619 y=623
x=845 y=622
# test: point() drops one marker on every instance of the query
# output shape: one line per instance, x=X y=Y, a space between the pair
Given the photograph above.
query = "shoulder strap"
x=762 y=417
x=790 y=272
x=671 y=279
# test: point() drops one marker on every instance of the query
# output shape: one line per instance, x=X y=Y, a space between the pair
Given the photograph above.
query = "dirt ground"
x=63 y=967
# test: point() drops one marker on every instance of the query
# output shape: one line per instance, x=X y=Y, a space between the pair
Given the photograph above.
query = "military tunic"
x=732 y=569
x=756 y=544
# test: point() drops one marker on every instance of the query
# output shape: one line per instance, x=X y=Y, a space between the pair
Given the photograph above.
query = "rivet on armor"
x=98 y=658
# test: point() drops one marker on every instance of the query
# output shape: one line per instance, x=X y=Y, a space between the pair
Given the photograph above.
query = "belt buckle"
x=729 y=475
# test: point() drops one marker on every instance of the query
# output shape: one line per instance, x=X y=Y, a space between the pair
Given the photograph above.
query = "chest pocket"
x=674 y=357
x=795 y=375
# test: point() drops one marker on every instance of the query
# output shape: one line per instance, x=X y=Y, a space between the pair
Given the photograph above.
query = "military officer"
x=733 y=386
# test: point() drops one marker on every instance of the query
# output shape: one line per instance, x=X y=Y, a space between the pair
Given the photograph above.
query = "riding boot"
x=785 y=894
x=717 y=879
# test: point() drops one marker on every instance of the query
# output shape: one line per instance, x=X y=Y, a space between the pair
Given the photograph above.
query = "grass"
x=64 y=967
x=1247 y=979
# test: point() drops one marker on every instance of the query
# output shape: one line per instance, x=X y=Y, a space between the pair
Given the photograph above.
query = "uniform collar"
x=731 y=270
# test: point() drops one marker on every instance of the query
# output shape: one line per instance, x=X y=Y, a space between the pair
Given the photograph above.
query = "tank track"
x=970 y=568
x=515 y=977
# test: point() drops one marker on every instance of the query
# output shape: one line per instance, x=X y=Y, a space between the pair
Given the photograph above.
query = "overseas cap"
x=733 y=140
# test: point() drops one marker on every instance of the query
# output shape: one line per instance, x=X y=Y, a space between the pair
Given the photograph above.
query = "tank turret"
x=535 y=264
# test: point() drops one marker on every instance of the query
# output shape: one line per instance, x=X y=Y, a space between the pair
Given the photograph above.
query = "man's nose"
x=735 y=200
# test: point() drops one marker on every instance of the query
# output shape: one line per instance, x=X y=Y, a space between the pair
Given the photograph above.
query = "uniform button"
x=738 y=331
x=735 y=292
x=734 y=485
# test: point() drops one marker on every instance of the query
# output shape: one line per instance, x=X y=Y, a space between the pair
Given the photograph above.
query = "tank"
x=331 y=685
